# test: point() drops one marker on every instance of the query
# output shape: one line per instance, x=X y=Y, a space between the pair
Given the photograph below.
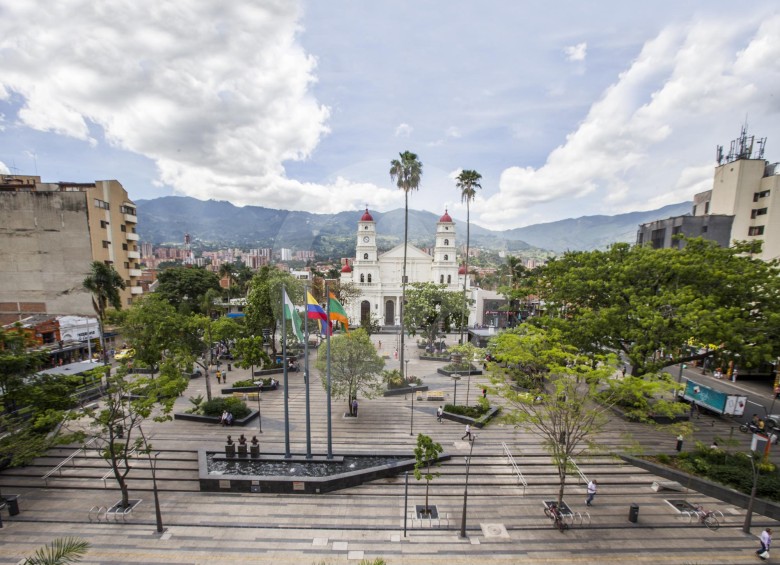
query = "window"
x=123 y=228
x=704 y=229
x=365 y=256
x=127 y=264
x=369 y=277
x=694 y=209
x=124 y=247
x=757 y=212
x=756 y=230
x=103 y=224
x=127 y=210
x=657 y=238
x=362 y=278
x=441 y=279
x=446 y=242
x=706 y=208
x=446 y=257
x=102 y=204
x=449 y=279
x=758 y=195
x=106 y=244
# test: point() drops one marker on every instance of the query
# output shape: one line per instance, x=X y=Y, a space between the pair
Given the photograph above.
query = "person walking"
x=439 y=412
x=766 y=541
x=468 y=432
x=354 y=407
x=591 y=492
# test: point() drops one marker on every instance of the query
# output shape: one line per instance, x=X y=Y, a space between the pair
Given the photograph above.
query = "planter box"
x=264 y=372
x=214 y=419
x=404 y=390
x=473 y=372
x=424 y=357
x=263 y=388
x=478 y=423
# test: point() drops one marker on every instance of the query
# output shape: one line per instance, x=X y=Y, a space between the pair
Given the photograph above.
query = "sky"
x=566 y=108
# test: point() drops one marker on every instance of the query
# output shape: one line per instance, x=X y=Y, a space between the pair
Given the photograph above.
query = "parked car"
x=124 y=354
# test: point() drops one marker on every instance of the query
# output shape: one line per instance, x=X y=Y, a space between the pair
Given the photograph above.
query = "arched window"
x=441 y=279
x=369 y=277
x=362 y=278
x=446 y=257
x=365 y=256
x=449 y=279
x=446 y=242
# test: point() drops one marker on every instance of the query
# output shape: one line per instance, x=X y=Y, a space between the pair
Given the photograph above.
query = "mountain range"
x=214 y=223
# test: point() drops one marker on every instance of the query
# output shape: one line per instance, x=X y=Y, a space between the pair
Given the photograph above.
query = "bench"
x=435 y=395
x=245 y=395
x=667 y=485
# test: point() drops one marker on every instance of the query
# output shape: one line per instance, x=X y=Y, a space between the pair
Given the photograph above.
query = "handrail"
x=72 y=456
x=514 y=465
x=579 y=471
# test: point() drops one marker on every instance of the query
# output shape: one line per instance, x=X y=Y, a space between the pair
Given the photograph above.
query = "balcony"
x=134 y=254
x=135 y=272
x=130 y=218
x=136 y=290
x=132 y=236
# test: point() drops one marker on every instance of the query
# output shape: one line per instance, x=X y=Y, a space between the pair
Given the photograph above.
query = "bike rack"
x=98 y=510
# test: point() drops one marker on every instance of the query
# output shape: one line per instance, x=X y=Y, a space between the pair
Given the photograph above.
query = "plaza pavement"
x=505 y=520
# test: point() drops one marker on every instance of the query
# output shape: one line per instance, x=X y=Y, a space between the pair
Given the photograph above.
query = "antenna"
x=719 y=154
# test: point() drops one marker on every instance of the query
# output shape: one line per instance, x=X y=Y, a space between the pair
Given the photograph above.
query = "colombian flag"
x=315 y=312
x=337 y=312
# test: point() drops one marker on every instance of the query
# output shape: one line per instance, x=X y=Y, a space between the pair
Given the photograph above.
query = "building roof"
x=445 y=217
x=346 y=268
x=366 y=217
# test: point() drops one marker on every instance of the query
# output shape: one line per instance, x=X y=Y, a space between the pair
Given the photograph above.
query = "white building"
x=379 y=276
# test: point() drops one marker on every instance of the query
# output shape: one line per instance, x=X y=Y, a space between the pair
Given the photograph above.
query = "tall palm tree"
x=61 y=550
x=406 y=173
x=104 y=283
x=468 y=183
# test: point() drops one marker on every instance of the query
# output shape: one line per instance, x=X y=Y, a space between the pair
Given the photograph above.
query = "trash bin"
x=13 y=504
x=633 y=513
x=230 y=368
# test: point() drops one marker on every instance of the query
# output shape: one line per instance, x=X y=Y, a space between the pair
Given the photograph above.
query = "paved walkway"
x=505 y=522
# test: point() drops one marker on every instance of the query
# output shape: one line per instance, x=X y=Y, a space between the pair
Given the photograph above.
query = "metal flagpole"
x=286 y=381
x=327 y=337
x=306 y=368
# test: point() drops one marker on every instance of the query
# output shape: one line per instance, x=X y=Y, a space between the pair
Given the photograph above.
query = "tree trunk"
x=403 y=282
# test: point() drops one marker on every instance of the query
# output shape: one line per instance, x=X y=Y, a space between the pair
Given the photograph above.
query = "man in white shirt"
x=591 y=492
x=766 y=541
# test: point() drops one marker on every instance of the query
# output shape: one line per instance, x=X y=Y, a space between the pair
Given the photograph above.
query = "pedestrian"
x=484 y=393
x=734 y=375
x=354 y=407
x=395 y=355
x=219 y=377
x=439 y=412
x=623 y=370
x=380 y=345
x=591 y=492
x=468 y=432
x=766 y=541
x=679 y=442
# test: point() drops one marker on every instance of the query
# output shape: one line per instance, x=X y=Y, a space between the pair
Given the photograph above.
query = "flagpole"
x=287 y=453
x=306 y=369
x=327 y=336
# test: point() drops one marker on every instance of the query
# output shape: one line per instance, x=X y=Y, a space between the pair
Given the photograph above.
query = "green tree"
x=426 y=455
x=406 y=172
x=185 y=287
x=355 y=366
x=264 y=301
x=104 y=283
x=468 y=183
x=228 y=270
x=648 y=303
x=249 y=353
x=429 y=305
x=129 y=401
x=60 y=552
x=202 y=333
x=562 y=413
x=153 y=328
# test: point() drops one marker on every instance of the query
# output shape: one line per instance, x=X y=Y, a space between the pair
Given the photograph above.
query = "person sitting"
x=223 y=418
x=274 y=383
x=229 y=419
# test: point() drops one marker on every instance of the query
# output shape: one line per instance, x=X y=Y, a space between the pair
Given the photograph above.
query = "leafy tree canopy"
x=355 y=366
x=184 y=287
x=264 y=301
x=428 y=305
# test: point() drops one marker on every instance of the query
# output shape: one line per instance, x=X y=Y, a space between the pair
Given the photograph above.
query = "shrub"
x=664 y=459
x=235 y=406
x=475 y=412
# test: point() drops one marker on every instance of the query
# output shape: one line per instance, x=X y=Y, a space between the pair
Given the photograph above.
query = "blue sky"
x=565 y=108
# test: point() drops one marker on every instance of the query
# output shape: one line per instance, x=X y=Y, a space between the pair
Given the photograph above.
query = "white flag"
x=292 y=314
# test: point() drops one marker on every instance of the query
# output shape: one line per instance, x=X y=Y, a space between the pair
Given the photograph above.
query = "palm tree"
x=406 y=173
x=227 y=270
x=104 y=283
x=468 y=183
x=61 y=550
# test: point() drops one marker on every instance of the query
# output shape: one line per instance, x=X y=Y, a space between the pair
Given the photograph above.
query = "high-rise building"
x=49 y=235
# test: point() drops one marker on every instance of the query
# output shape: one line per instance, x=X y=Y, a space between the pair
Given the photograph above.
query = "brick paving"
x=505 y=521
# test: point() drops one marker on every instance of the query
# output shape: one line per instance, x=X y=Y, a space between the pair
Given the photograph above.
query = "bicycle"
x=554 y=514
x=707 y=517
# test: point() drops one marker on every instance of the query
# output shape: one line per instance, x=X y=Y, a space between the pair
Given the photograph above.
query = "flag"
x=337 y=312
x=292 y=314
x=315 y=312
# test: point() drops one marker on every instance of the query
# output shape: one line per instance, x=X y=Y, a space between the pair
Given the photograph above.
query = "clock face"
x=366 y=239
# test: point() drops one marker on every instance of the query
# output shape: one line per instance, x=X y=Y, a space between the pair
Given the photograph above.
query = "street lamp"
x=749 y=514
x=456 y=378
x=411 y=424
x=466 y=489
x=406 y=374
x=259 y=415
x=158 y=514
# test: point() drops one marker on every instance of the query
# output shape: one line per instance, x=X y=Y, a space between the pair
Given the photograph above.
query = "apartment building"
x=49 y=235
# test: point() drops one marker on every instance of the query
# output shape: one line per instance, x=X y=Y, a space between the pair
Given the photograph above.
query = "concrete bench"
x=667 y=485
x=435 y=395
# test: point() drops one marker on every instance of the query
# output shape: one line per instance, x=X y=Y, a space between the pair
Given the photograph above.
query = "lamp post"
x=411 y=424
x=466 y=489
x=259 y=415
x=749 y=514
x=456 y=378
x=157 y=512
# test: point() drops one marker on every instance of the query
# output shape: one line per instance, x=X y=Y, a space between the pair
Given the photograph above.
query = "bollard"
x=633 y=513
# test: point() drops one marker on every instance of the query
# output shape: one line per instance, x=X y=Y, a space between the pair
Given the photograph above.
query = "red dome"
x=346 y=268
x=366 y=217
x=462 y=269
x=445 y=217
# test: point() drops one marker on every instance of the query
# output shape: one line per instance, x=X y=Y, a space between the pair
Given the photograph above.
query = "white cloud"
x=453 y=132
x=403 y=130
x=682 y=91
x=4 y=168
x=576 y=52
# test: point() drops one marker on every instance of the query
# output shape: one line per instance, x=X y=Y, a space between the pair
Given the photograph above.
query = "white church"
x=379 y=276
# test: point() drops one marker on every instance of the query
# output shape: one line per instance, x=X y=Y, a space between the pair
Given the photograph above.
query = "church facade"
x=378 y=276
